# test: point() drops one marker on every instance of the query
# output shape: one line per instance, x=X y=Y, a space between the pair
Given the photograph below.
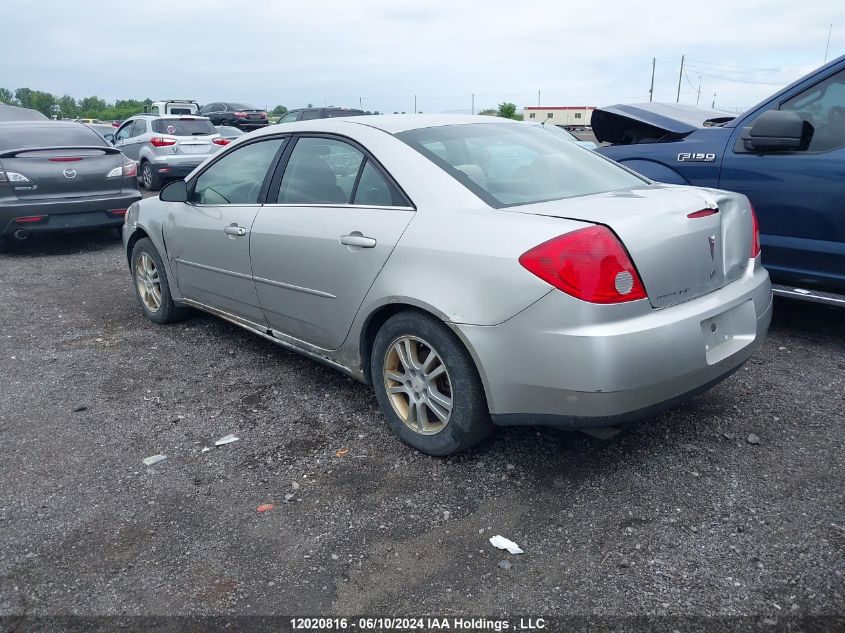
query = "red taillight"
x=30 y=219
x=589 y=264
x=117 y=212
x=130 y=169
x=240 y=115
x=263 y=115
x=755 y=237
x=162 y=141
x=65 y=159
x=219 y=141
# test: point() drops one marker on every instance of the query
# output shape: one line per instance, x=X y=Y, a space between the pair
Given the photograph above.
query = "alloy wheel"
x=418 y=385
x=147 y=176
x=148 y=282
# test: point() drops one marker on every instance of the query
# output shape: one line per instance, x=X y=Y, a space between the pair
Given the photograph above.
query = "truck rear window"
x=184 y=127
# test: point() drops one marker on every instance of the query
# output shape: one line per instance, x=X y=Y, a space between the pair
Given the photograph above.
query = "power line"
x=741 y=81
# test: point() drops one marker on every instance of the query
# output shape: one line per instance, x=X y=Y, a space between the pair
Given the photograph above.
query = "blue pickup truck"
x=787 y=154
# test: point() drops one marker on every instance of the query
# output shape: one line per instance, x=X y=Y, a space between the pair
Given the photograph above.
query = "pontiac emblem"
x=69 y=173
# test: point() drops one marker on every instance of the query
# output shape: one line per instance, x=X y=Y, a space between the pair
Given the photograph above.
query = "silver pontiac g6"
x=475 y=271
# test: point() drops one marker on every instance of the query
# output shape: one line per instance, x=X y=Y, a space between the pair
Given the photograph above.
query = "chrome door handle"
x=356 y=239
x=234 y=229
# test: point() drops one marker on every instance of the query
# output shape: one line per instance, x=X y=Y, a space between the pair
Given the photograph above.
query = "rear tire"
x=427 y=385
x=149 y=177
x=152 y=288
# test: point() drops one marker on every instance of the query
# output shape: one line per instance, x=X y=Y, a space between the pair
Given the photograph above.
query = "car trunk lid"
x=684 y=242
x=62 y=172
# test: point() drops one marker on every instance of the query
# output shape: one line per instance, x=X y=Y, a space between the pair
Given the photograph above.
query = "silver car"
x=474 y=271
x=167 y=148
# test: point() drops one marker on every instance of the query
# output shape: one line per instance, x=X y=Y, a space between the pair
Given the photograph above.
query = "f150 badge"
x=689 y=157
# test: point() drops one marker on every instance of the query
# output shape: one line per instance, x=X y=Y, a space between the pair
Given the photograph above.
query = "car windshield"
x=184 y=127
x=49 y=135
x=560 y=132
x=507 y=164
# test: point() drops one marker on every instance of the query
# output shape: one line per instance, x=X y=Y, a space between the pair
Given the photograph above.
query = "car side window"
x=320 y=171
x=124 y=132
x=290 y=117
x=140 y=127
x=823 y=107
x=237 y=177
x=375 y=190
x=307 y=115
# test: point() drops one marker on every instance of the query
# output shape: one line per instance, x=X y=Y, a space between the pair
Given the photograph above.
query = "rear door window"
x=375 y=190
x=307 y=115
x=290 y=117
x=320 y=171
x=139 y=128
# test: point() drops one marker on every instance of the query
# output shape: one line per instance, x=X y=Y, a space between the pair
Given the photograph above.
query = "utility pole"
x=680 y=74
x=698 y=98
x=538 y=98
x=651 y=90
x=713 y=105
x=473 y=103
x=827 y=48
x=415 y=104
x=360 y=103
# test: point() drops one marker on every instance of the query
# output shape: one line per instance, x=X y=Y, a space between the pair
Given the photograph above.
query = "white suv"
x=167 y=147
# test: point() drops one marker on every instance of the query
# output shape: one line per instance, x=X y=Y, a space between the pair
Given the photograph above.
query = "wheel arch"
x=137 y=235
x=380 y=314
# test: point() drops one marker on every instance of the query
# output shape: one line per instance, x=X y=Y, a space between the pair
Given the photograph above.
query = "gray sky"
x=385 y=52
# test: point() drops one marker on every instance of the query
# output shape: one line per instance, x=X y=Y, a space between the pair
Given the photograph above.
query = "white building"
x=568 y=116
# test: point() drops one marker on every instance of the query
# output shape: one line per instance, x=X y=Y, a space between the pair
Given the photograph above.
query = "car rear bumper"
x=65 y=214
x=566 y=363
x=251 y=125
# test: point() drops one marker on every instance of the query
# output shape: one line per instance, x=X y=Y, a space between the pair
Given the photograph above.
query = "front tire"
x=427 y=385
x=152 y=287
x=149 y=177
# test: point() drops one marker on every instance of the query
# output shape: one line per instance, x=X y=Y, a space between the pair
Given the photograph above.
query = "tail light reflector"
x=220 y=141
x=590 y=264
x=755 y=236
x=65 y=159
x=162 y=141
x=117 y=212
x=240 y=115
x=702 y=214
x=30 y=219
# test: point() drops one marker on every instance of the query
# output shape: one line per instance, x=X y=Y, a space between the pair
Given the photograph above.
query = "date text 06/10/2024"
x=471 y=624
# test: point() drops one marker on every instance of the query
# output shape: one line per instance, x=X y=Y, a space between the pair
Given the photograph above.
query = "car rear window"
x=241 y=106
x=55 y=135
x=507 y=164
x=184 y=127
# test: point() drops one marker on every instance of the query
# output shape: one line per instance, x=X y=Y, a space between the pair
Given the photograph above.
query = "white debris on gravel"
x=501 y=542
x=154 y=459
x=226 y=439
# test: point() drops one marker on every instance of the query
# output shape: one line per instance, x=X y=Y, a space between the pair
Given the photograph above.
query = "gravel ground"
x=731 y=505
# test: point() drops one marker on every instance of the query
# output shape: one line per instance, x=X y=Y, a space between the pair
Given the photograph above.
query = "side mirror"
x=176 y=191
x=778 y=131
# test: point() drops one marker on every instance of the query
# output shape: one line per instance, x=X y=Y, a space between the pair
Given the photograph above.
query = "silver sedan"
x=476 y=272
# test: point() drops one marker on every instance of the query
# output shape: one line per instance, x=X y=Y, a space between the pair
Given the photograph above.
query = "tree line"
x=67 y=107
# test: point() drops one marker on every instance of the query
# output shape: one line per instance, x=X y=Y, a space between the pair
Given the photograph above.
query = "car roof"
x=390 y=123
x=154 y=115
